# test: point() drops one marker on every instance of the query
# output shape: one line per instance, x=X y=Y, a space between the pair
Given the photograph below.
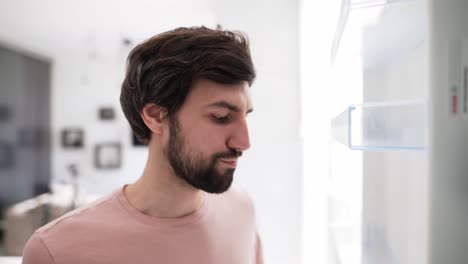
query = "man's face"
x=208 y=134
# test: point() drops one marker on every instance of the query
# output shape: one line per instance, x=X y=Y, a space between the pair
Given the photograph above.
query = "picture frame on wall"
x=106 y=113
x=72 y=138
x=6 y=156
x=108 y=156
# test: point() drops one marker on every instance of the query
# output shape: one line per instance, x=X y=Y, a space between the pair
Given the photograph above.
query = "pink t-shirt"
x=110 y=230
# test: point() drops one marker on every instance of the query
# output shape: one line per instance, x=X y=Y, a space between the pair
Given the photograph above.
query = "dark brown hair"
x=162 y=69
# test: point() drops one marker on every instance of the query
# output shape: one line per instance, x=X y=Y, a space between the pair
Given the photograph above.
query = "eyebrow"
x=224 y=104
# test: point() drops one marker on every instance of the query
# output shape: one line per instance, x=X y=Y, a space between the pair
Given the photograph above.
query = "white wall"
x=83 y=40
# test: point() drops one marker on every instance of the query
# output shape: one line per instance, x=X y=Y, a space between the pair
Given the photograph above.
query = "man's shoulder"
x=80 y=217
x=71 y=231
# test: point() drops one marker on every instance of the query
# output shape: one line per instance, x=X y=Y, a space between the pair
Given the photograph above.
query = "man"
x=186 y=95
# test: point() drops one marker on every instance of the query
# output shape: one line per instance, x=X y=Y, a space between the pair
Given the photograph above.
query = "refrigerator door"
x=378 y=209
x=448 y=162
x=406 y=206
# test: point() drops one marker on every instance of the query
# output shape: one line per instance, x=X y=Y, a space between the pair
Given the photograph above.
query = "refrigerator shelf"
x=387 y=126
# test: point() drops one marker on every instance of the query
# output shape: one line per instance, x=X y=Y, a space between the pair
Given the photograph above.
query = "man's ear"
x=154 y=117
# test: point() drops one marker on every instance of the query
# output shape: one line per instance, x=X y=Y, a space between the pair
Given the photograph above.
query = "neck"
x=160 y=193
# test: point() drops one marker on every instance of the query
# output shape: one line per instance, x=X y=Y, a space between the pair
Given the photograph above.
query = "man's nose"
x=240 y=137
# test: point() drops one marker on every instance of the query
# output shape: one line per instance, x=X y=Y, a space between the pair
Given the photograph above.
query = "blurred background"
x=64 y=140
x=358 y=136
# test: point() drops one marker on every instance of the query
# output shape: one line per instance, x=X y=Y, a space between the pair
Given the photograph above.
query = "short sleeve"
x=36 y=252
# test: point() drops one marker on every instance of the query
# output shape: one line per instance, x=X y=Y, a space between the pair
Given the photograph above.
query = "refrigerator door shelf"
x=388 y=126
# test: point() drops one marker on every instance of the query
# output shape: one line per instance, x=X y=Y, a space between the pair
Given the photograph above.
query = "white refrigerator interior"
x=398 y=184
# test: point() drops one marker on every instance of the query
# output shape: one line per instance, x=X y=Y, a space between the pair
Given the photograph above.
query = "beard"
x=193 y=168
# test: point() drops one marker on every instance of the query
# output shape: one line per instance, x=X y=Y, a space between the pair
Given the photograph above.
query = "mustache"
x=232 y=153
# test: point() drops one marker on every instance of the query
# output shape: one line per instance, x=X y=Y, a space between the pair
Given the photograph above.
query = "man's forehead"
x=235 y=97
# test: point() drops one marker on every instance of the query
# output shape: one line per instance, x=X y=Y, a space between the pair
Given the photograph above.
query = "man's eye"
x=220 y=119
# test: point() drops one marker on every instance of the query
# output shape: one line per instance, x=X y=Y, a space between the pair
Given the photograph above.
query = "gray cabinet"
x=25 y=151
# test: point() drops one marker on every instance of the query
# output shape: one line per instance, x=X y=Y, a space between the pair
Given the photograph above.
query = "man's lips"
x=230 y=162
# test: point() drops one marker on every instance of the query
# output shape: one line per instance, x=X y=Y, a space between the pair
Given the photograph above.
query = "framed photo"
x=106 y=113
x=72 y=138
x=108 y=156
x=6 y=156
